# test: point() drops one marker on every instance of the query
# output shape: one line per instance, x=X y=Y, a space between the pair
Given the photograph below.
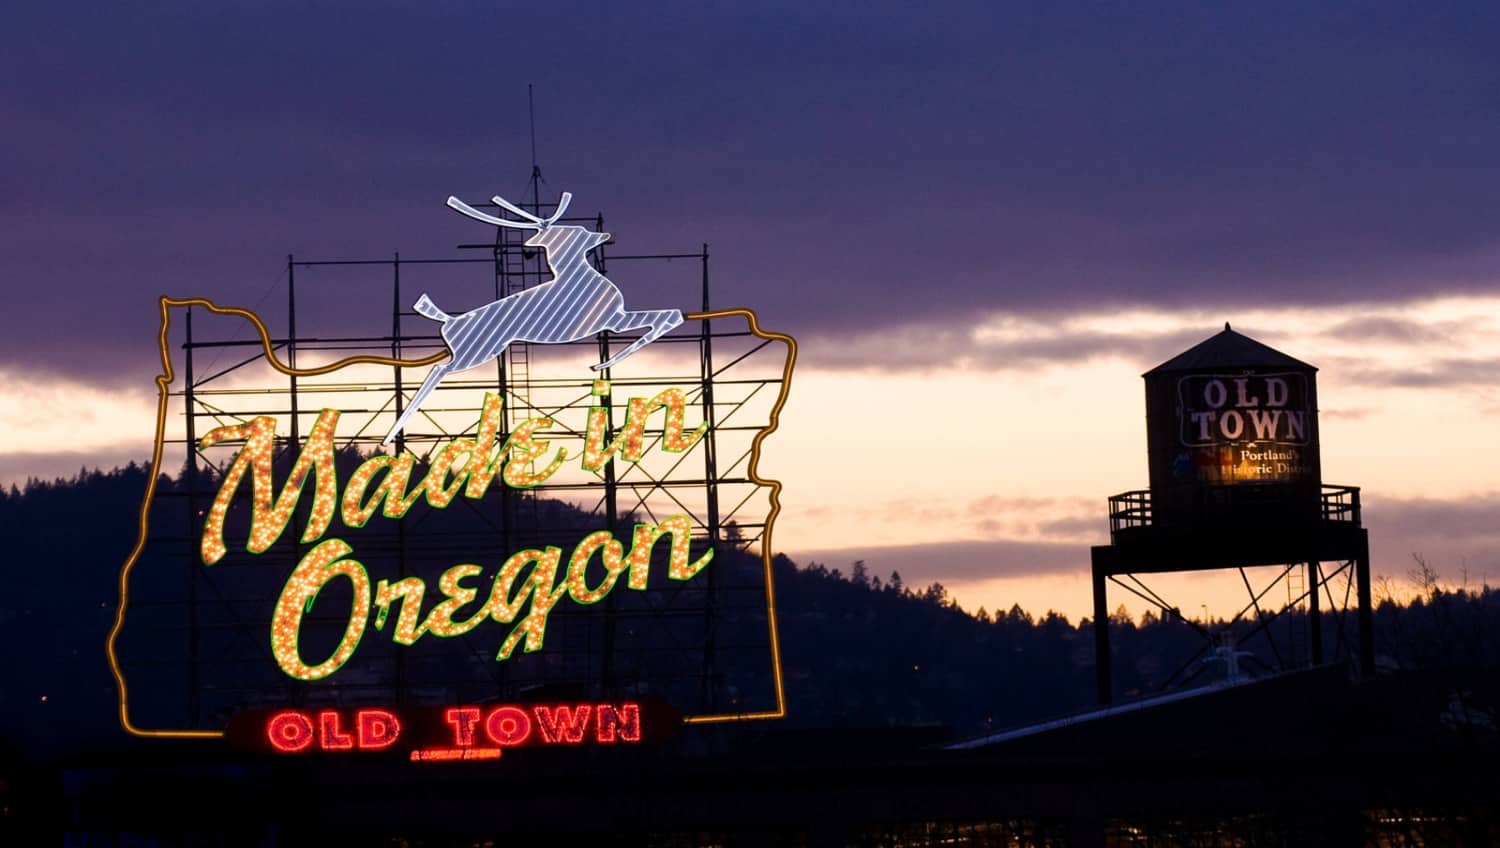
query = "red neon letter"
x=508 y=726
x=289 y=731
x=330 y=737
x=463 y=720
x=376 y=728
x=624 y=719
x=565 y=725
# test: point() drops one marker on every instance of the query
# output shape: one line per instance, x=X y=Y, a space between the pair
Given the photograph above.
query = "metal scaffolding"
x=1299 y=553
x=705 y=644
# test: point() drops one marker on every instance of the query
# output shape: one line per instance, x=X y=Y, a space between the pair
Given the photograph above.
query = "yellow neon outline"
x=164 y=381
x=163 y=385
x=775 y=487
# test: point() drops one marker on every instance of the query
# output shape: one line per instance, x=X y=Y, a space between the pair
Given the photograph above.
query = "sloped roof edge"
x=1229 y=349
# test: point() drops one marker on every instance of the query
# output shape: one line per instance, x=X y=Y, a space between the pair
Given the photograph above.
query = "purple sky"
x=931 y=188
x=909 y=164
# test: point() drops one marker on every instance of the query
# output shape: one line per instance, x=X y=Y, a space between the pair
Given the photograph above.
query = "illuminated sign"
x=577 y=303
x=532 y=581
x=1246 y=427
x=449 y=733
x=285 y=490
x=1261 y=408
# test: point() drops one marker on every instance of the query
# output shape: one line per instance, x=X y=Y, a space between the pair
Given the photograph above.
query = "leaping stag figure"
x=576 y=303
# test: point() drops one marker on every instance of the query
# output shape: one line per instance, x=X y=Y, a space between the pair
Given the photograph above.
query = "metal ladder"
x=1296 y=586
x=514 y=278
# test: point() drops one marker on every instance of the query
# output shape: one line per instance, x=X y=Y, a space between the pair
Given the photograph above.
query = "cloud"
x=998 y=518
x=1441 y=374
x=1385 y=328
x=1419 y=519
x=1350 y=414
x=1087 y=527
x=967 y=345
x=916 y=169
x=1049 y=519
x=1413 y=343
x=955 y=562
x=1455 y=535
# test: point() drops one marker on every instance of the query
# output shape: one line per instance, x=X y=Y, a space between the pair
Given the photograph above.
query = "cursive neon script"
x=527 y=586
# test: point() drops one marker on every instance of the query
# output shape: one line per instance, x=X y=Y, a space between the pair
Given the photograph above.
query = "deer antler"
x=459 y=206
x=532 y=222
x=562 y=205
x=504 y=203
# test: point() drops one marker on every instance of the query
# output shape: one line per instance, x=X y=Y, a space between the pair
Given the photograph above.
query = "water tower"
x=1235 y=482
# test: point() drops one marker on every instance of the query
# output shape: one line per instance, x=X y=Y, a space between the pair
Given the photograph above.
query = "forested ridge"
x=860 y=650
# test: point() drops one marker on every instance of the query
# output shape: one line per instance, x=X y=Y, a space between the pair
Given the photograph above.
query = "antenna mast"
x=536 y=170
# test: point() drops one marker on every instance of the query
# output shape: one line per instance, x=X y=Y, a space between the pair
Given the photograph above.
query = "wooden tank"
x=1232 y=437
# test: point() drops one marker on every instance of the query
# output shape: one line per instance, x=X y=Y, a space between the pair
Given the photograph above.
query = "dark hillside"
x=859 y=651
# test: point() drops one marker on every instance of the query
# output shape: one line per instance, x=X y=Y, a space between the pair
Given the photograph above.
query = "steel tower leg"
x=1366 y=612
x=1102 y=678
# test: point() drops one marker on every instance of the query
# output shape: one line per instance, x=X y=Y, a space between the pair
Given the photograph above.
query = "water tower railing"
x=1341 y=503
x=1132 y=509
x=1129 y=509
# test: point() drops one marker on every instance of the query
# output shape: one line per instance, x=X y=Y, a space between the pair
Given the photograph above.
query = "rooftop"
x=1228 y=350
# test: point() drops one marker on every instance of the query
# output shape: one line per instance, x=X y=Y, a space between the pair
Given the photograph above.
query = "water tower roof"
x=1228 y=350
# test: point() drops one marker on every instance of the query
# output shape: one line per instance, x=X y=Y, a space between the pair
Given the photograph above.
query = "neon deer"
x=576 y=303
